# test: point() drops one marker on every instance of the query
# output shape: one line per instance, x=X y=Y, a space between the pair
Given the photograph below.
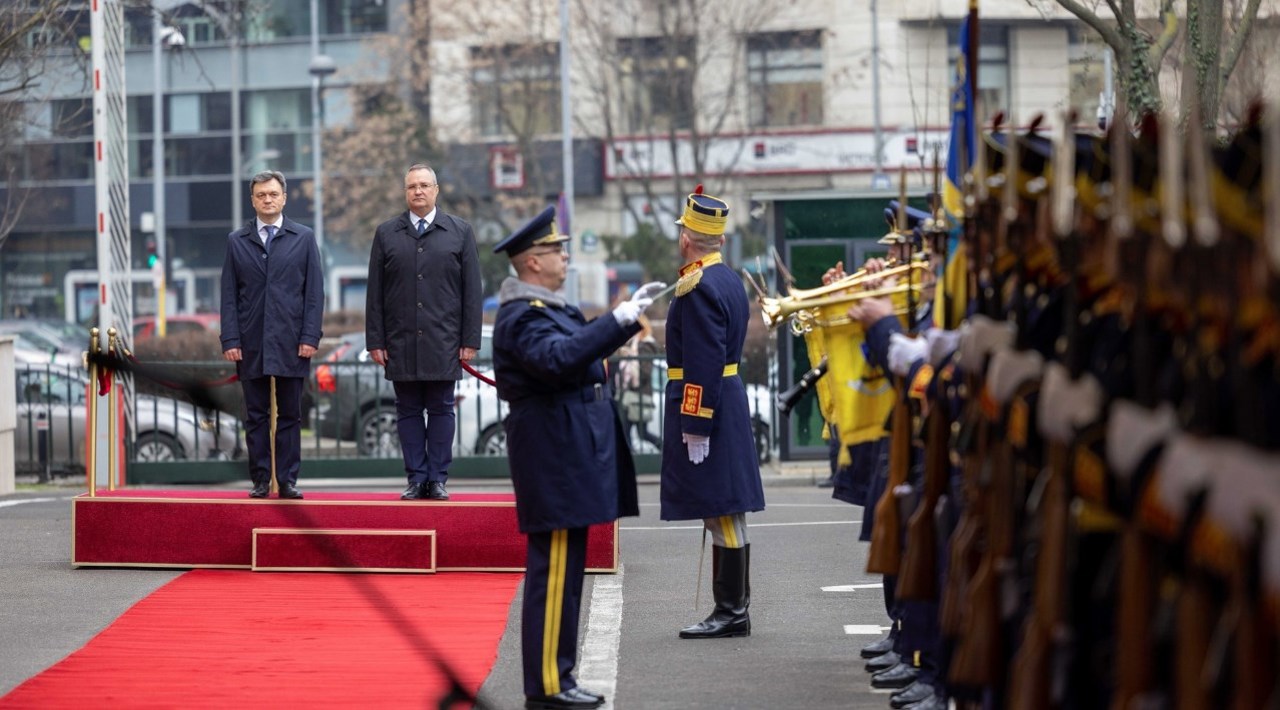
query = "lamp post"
x=321 y=66
x=163 y=37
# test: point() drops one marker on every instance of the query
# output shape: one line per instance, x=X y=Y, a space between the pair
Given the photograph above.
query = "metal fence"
x=349 y=414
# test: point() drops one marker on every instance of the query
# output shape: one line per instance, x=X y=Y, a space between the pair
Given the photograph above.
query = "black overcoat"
x=424 y=297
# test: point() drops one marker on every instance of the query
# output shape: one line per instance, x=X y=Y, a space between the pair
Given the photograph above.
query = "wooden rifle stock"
x=964 y=551
x=980 y=652
x=1137 y=595
x=885 y=556
x=919 y=578
x=1255 y=640
x=1029 y=684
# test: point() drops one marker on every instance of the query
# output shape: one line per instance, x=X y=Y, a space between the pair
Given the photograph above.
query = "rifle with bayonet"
x=885 y=555
x=919 y=577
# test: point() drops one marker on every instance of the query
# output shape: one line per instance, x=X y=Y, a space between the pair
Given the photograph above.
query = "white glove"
x=941 y=344
x=699 y=447
x=629 y=311
x=904 y=351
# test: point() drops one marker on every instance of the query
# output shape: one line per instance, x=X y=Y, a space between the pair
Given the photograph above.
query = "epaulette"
x=537 y=303
x=688 y=282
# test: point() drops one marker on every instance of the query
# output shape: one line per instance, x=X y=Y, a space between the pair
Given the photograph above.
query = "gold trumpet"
x=856 y=279
x=809 y=313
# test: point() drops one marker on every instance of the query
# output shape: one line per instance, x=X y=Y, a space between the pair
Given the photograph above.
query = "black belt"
x=590 y=393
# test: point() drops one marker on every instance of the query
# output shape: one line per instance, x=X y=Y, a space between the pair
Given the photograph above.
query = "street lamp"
x=321 y=66
x=163 y=37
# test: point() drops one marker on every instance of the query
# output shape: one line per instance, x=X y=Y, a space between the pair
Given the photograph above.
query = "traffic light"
x=153 y=255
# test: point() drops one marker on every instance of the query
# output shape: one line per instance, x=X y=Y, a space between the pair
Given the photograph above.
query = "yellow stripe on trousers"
x=727 y=529
x=552 y=615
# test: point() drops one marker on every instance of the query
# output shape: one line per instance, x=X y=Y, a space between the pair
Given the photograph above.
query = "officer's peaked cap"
x=539 y=231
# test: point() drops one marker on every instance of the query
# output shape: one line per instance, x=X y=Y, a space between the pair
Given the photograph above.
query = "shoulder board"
x=688 y=282
x=535 y=303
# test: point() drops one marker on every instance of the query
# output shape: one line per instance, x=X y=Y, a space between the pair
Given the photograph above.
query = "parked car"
x=51 y=399
x=145 y=326
x=353 y=402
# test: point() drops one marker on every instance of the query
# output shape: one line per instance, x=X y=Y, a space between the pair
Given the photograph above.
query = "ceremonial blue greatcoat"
x=706 y=329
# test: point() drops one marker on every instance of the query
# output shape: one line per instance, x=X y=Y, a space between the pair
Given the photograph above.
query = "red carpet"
x=231 y=639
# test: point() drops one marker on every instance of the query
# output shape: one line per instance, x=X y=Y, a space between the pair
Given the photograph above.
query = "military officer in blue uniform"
x=570 y=465
x=709 y=466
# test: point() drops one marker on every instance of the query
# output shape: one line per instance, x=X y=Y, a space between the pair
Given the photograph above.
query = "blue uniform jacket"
x=706 y=329
x=570 y=465
x=271 y=303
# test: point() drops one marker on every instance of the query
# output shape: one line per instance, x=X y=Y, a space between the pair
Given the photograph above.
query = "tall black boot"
x=729 y=587
x=747 y=576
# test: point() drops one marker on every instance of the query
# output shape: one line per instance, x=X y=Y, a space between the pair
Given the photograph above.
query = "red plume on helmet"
x=698 y=190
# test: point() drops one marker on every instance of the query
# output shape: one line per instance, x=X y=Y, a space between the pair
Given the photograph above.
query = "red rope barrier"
x=477 y=374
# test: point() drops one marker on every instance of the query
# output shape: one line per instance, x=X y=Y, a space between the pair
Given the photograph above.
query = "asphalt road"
x=798 y=656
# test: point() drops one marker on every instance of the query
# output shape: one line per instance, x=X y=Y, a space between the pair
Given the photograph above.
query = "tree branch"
x=1238 y=40
x=1090 y=18
x=1168 y=33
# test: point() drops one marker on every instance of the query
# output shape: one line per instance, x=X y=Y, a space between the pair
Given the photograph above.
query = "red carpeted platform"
x=164 y=528
x=304 y=550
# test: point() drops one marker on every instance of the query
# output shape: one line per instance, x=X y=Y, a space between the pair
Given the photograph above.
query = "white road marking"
x=598 y=663
x=750 y=526
x=867 y=629
x=20 y=501
x=853 y=587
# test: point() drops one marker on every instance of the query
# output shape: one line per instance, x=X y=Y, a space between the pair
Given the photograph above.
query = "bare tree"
x=1216 y=33
x=672 y=73
x=36 y=37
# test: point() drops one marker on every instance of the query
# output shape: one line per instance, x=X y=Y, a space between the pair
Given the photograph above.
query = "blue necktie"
x=422 y=226
x=271 y=233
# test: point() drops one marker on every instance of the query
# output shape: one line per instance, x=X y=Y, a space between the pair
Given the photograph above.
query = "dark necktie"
x=422 y=226
x=271 y=233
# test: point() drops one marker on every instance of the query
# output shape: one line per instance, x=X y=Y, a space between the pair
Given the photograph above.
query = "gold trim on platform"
x=430 y=534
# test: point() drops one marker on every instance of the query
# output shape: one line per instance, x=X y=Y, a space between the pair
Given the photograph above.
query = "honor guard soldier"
x=570 y=465
x=709 y=466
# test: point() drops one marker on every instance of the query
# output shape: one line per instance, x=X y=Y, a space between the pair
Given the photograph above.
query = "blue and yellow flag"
x=951 y=296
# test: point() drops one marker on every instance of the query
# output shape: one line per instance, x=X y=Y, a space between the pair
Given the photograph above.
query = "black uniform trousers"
x=257 y=428
x=556 y=564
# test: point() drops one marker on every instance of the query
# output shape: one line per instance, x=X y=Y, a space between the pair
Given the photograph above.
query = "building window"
x=351 y=17
x=993 y=67
x=656 y=83
x=1087 y=55
x=516 y=89
x=785 y=73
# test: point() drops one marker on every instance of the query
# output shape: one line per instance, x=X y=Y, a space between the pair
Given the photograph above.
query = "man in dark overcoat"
x=570 y=465
x=272 y=308
x=422 y=316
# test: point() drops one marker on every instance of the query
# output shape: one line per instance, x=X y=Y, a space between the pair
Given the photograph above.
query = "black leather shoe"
x=412 y=491
x=289 y=490
x=878 y=648
x=260 y=490
x=572 y=698
x=900 y=676
x=827 y=482
x=911 y=695
x=435 y=491
x=933 y=702
x=883 y=662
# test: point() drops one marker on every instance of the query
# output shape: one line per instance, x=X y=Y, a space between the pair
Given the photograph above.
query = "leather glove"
x=904 y=351
x=699 y=447
x=629 y=311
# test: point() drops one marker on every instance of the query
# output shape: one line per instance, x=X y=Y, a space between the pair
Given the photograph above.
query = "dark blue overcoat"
x=706 y=328
x=570 y=465
x=273 y=302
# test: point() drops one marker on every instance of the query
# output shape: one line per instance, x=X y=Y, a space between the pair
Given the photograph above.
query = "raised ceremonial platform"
x=354 y=532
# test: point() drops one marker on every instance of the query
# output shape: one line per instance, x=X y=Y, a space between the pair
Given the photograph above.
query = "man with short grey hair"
x=272 y=307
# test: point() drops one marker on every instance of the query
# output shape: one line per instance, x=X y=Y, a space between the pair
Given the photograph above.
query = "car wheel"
x=377 y=434
x=764 y=448
x=493 y=441
x=155 y=446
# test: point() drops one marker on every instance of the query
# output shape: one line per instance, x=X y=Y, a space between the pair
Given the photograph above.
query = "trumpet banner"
x=854 y=396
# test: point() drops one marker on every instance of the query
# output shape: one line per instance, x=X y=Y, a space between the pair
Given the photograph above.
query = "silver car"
x=50 y=435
